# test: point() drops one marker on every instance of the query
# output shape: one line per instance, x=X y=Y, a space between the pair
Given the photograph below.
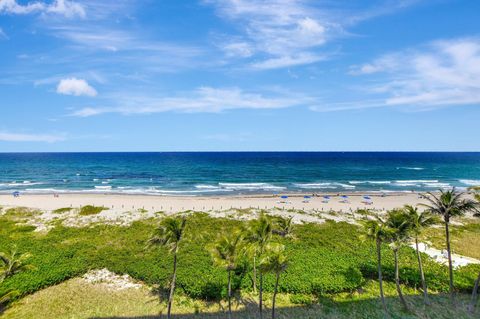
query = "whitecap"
x=103 y=187
x=470 y=182
x=250 y=186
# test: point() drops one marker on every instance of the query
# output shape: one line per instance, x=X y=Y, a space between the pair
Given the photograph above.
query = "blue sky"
x=216 y=75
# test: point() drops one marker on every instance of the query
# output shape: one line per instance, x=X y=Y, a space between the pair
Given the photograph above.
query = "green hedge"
x=325 y=258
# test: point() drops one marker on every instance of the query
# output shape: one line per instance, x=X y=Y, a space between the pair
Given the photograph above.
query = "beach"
x=173 y=204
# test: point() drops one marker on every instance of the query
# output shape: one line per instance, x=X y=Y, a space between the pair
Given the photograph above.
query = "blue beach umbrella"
x=284 y=197
x=366 y=197
x=326 y=197
x=307 y=197
x=16 y=194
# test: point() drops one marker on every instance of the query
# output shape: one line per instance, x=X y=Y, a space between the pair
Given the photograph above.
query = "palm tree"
x=417 y=222
x=169 y=234
x=226 y=252
x=398 y=224
x=259 y=234
x=13 y=263
x=377 y=231
x=477 y=282
x=449 y=204
x=283 y=226
x=274 y=261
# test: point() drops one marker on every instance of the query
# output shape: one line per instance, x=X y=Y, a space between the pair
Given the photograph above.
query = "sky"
x=239 y=75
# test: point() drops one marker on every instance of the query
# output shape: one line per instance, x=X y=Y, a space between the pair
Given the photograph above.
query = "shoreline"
x=128 y=202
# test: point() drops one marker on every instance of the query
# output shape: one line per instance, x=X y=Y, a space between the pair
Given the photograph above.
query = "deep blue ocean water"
x=236 y=173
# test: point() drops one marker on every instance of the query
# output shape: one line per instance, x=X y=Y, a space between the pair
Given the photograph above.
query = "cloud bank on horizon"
x=71 y=61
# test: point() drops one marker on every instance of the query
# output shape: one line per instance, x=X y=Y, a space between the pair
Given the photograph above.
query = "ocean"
x=230 y=173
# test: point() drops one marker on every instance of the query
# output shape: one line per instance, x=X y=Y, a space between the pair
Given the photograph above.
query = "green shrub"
x=91 y=210
x=325 y=258
x=305 y=300
x=62 y=210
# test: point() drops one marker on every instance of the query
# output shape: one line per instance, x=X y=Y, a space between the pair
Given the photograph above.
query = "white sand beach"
x=173 y=204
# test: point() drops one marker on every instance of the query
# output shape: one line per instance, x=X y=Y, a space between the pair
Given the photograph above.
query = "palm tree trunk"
x=260 y=296
x=450 y=267
x=380 y=279
x=172 y=286
x=397 y=280
x=229 y=294
x=254 y=275
x=275 y=290
x=474 y=294
x=422 y=275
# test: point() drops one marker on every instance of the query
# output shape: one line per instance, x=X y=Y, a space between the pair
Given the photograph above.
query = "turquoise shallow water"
x=235 y=173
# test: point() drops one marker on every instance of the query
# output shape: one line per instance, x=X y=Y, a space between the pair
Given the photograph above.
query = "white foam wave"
x=412 y=168
x=103 y=187
x=202 y=186
x=370 y=182
x=470 y=182
x=323 y=185
x=418 y=181
x=250 y=186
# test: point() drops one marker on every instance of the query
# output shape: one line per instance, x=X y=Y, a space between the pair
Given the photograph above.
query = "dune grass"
x=91 y=210
x=62 y=210
x=328 y=264
x=465 y=238
x=77 y=299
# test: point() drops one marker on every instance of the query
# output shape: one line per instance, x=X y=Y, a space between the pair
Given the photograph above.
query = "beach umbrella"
x=306 y=197
x=344 y=196
x=16 y=193
x=326 y=197
x=366 y=197
x=284 y=196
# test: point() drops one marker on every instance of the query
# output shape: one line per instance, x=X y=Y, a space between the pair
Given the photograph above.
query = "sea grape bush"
x=324 y=259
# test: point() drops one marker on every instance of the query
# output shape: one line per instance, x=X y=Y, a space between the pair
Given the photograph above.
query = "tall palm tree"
x=259 y=234
x=477 y=282
x=448 y=204
x=418 y=221
x=169 y=234
x=398 y=224
x=283 y=226
x=274 y=261
x=13 y=263
x=376 y=231
x=226 y=252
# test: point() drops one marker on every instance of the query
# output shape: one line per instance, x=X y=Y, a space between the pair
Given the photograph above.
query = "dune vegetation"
x=310 y=270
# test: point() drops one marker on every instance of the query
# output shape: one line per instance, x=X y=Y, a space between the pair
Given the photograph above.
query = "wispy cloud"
x=65 y=8
x=283 y=31
x=3 y=35
x=21 y=137
x=286 y=33
x=74 y=86
x=203 y=99
x=442 y=73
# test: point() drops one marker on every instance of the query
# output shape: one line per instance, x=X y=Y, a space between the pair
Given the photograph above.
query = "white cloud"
x=3 y=35
x=74 y=86
x=282 y=33
x=19 y=137
x=281 y=30
x=441 y=73
x=238 y=49
x=65 y=8
x=287 y=61
x=203 y=99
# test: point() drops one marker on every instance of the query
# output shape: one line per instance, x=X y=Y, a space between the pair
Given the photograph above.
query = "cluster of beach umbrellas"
x=326 y=198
